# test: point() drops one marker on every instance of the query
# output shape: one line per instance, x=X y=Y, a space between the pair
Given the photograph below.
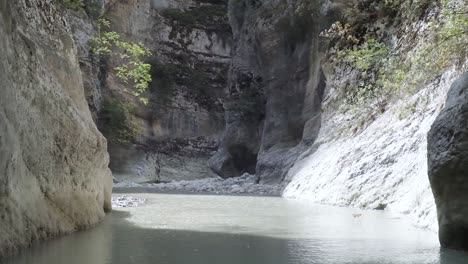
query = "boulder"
x=448 y=166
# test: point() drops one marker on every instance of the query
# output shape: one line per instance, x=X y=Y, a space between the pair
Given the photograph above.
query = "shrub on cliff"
x=133 y=70
x=432 y=36
x=117 y=122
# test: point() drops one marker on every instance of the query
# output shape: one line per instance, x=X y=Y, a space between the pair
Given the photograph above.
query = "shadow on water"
x=118 y=241
x=452 y=257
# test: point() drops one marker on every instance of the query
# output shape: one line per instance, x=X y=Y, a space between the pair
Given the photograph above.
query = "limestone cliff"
x=84 y=25
x=54 y=175
x=336 y=97
x=275 y=88
x=178 y=130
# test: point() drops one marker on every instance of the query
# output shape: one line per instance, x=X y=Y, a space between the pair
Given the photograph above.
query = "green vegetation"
x=410 y=9
x=341 y=33
x=118 y=125
x=450 y=40
x=444 y=47
x=133 y=70
x=368 y=55
x=385 y=72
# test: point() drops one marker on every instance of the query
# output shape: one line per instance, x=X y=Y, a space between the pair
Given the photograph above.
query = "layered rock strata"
x=179 y=130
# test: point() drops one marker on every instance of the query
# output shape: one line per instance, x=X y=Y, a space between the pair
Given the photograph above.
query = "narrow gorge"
x=233 y=131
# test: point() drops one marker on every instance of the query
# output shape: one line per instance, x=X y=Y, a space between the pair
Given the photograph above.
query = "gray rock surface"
x=245 y=184
x=448 y=166
x=84 y=27
x=255 y=100
x=54 y=175
x=275 y=88
x=180 y=127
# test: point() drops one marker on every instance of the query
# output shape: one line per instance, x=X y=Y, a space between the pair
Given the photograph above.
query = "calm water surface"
x=180 y=229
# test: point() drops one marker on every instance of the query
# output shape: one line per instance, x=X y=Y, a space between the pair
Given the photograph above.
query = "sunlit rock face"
x=180 y=127
x=374 y=156
x=384 y=166
x=274 y=87
x=54 y=175
x=448 y=166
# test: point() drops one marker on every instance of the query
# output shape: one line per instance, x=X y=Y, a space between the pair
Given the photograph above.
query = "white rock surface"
x=126 y=201
x=384 y=165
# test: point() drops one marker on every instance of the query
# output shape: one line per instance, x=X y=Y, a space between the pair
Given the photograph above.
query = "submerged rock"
x=448 y=166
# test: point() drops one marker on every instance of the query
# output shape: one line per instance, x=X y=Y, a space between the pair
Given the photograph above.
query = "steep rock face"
x=83 y=24
x=275 y=88
x=54 y=176
x=320 y=115
x=371 y=150
x=180 y=127
x=384 y=166
x=448 y=166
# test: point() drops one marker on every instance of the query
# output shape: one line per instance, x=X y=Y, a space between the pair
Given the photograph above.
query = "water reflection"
x=92 y=246
x=452 y=257
x=270 y=237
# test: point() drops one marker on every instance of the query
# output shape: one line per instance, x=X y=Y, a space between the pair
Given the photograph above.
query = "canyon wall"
x=54 y=176
x=336 y=98
x=178 y=131
x=386 y=84
x=382 y=167
x=274 y=90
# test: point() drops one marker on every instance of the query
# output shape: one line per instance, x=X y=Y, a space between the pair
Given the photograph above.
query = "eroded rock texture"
x=448 y=166
x=248 y=88
x=275 y=88
x=180 y=127
x=84 y=26
x=54 y=177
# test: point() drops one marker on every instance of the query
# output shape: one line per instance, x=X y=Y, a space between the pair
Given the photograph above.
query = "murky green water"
x=180 y=229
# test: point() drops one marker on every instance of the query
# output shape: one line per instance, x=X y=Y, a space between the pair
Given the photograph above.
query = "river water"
x=203 y=229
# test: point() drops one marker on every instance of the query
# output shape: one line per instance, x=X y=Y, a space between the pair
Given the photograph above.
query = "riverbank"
x=244 y=185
